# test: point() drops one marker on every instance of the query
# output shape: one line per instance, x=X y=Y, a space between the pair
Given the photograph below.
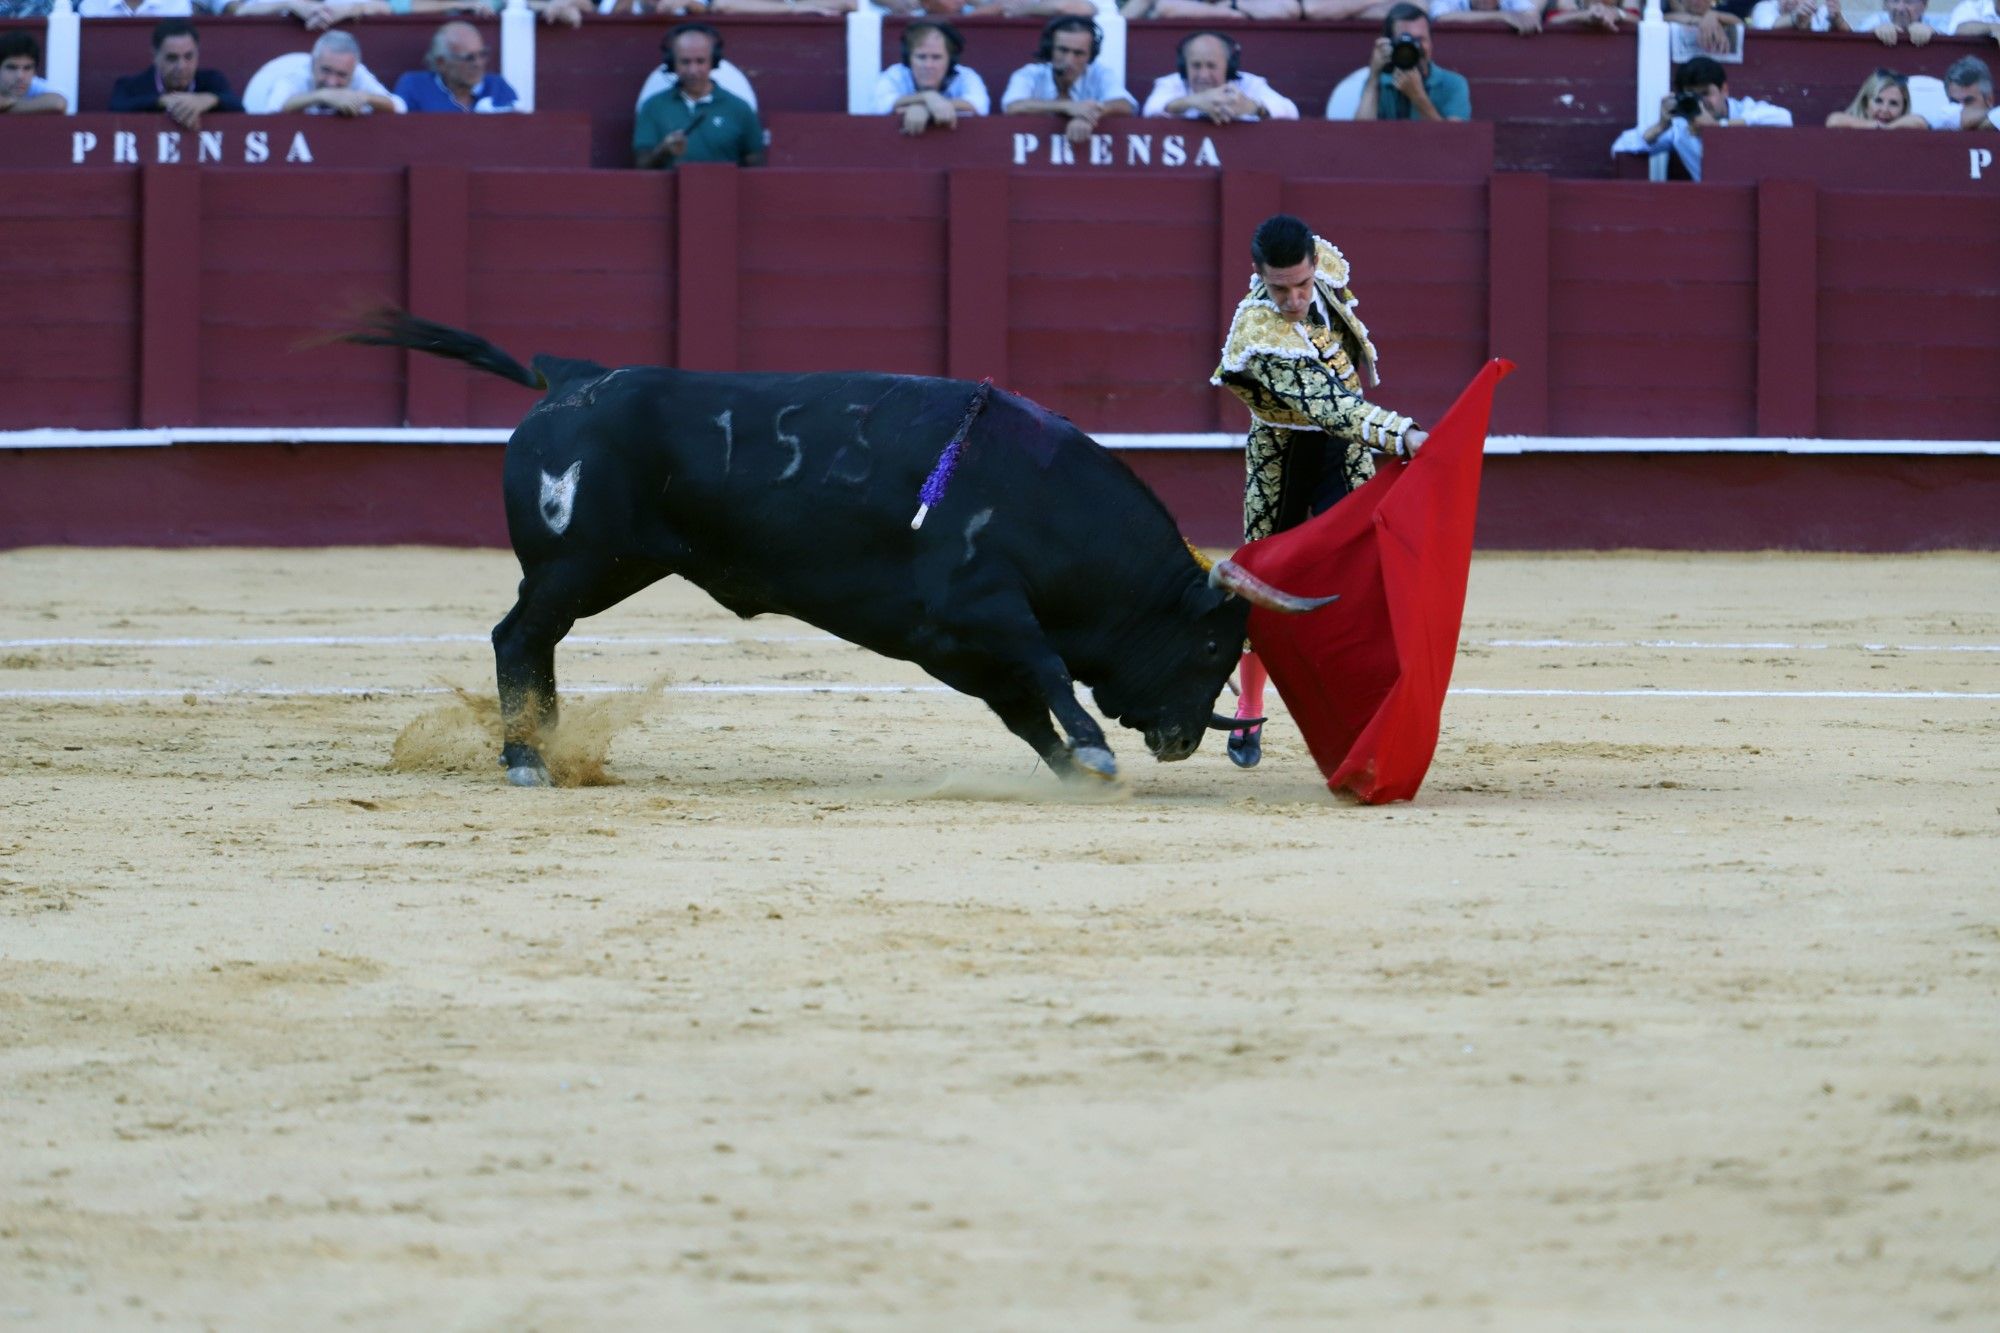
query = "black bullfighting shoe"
x=1246 y=745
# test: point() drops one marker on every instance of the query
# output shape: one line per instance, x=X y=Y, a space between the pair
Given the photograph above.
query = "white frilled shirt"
x=1036 y=82
x=964 y=85
x=1253 y=86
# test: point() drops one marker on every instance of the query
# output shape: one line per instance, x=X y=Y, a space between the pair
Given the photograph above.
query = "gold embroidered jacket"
x=1304 y=377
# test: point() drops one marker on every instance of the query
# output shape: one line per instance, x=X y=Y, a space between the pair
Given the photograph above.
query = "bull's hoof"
x=529 y=775
x=1094 y=760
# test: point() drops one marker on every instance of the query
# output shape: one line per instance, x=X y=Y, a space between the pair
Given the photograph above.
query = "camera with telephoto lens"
x=1406 y=52
x=1687 y=106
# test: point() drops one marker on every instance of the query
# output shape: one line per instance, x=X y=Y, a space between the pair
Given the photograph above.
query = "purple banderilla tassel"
x=940 y=477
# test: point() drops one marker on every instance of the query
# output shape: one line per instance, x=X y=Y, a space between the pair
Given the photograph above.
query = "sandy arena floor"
x=1656 y=1010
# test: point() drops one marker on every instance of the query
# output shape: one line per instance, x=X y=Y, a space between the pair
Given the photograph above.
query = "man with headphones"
x=1064 y=79
x=696 y=121
x=1299 y=358
x=1210 y=82
x=929 y=87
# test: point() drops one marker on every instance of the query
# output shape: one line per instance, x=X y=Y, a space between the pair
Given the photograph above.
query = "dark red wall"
x=172 y=296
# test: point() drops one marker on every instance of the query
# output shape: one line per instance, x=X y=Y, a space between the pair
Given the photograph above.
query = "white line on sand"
x=714 y=640
x=225 y=692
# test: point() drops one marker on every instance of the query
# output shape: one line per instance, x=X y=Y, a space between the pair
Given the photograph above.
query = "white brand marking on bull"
x=559 y=497
x=973 y=526
x=791 y=442
x=855 y=469
x=728 y=438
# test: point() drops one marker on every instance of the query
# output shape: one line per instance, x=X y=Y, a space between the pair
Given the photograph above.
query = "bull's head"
x=1173 y=667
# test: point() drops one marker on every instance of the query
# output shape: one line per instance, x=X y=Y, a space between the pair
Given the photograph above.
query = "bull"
x=1044 y=563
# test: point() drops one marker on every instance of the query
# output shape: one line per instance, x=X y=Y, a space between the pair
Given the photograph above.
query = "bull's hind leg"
x=553 y=597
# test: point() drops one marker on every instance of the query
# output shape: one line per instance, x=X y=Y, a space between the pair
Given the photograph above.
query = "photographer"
x=1702 y=104
x=1402 y=82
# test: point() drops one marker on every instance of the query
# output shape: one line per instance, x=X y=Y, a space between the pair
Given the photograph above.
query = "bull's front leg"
x=1089 y=752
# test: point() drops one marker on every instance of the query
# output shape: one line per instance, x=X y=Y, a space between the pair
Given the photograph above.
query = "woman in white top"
x=929 y=87
x=1882 y=104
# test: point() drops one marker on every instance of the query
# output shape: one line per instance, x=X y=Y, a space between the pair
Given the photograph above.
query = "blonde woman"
x=1882 y=104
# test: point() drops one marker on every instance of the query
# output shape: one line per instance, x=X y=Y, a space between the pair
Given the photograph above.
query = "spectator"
x=1793 y=15
x=1882 y=104
x=1064 y=79
x=25 y=9
x=1969 y=85
x=1346 y=9
x=1974 y=18
x=1703 y=104
x=456 y=80
x=696 y=121
x=317 y=15
x=1523 y=16
x=135 y=9
x=1210 y=11
x=1402 y=82
x=1896 y=19
x=328 y=81
x=1618 y=16
x=22 y=91
x=726 y=75
x=991 y=8
x=825 y=7
x=929 y=87
x=1716 y=30
x=176 y=84
x=1209 y=81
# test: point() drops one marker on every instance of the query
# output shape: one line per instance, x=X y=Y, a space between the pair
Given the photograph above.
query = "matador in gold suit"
x=1300 y=359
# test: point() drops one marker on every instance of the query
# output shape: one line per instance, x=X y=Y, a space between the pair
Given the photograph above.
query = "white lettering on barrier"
x=1024 y=145
x=1060 y=152
x=1206 y=156
x=1100 y=150
x=1173 y=153
x=210 y=146
x=1138 y=150
x=1982 y=158
x=1103 y=151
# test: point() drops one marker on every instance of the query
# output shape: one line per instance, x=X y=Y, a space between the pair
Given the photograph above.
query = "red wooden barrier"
x=1634 y=309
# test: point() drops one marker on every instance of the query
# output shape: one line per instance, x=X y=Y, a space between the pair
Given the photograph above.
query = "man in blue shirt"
x=1415 y=89
x=457 y=79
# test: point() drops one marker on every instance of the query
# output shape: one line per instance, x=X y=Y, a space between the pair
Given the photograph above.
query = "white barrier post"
x=517 y=52
x=864 y=57
x=1112 y=23
x=62 y=50
x=1656 y=77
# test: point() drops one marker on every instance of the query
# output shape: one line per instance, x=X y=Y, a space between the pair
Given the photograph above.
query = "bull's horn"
x=1217 y=722
x=1233 y=578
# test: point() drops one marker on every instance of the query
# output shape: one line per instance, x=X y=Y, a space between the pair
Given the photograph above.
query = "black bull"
x=1045 y=563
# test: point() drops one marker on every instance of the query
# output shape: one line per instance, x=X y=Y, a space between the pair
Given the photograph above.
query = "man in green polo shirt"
x=695 y=121
x=1415 y=90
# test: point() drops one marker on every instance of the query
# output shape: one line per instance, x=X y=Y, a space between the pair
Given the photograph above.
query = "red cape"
x=1365 y=678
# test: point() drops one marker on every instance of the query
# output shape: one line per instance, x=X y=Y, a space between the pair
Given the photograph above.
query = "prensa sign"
x=1105 y=150
x=233 y=147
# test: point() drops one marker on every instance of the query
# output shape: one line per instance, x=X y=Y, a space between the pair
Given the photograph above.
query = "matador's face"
x=1291 y=287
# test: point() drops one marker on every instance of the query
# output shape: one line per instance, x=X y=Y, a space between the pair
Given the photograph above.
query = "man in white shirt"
x=1969 y=85
x=928 y=88
x=328 y=81
x=1974 y=18
x=1064 y=79
x=23 y=92
x=1523 y=16
x=1895 y=20
x=1209 y=81
x=144 y=9
x=1707 y=106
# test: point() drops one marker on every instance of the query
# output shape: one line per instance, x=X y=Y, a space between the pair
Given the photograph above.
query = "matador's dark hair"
x=1280 y=242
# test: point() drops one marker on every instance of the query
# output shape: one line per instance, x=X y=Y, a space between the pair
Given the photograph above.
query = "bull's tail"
x=389 y=326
